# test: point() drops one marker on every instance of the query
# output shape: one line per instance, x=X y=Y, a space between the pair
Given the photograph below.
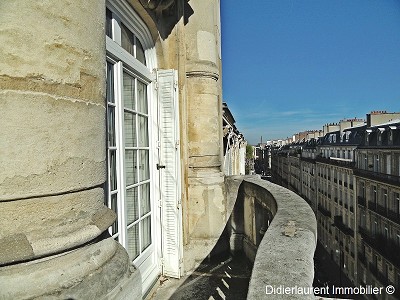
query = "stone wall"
x=283 y=255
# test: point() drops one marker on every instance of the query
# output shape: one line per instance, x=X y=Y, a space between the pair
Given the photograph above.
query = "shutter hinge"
x=179 y=204
x=180 y=266
x=159 y=203
x=177 y=144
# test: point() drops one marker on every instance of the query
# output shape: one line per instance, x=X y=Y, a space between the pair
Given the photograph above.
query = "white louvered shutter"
x=169 y=168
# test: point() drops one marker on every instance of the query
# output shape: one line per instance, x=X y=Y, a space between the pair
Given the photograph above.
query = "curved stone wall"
x=283 y=257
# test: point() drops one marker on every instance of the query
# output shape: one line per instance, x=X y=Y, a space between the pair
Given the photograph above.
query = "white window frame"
x=148 y=260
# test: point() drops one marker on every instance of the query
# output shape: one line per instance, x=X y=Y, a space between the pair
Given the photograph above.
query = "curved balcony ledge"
x=283 y=256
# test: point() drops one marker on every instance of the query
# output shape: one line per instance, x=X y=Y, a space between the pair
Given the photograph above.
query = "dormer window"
x=367 y=136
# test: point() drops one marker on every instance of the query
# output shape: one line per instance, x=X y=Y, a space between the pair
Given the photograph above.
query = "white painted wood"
x=171 y=218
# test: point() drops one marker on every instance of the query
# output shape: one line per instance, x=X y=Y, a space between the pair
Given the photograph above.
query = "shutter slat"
x=170 y=187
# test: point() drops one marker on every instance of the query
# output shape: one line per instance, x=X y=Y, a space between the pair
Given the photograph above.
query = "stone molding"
x=203 y=74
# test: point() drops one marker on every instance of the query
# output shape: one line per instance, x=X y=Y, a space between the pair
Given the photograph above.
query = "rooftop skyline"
x=291 y=66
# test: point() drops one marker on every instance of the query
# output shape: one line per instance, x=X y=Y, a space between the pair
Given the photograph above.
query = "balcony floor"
x=224 y=277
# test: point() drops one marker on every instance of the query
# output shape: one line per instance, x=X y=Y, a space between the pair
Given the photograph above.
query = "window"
x=385 y=198
x=128 y=138
x=376 y=163
x=108 y=23
x=131 y=44
x=128 y=158
x=396 y=202
x=374 y=194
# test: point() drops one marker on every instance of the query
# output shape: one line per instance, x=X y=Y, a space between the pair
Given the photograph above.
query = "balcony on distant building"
x=341 y=162
x=384 y=246
x=362 y=201
x=338 y=223
x=324 y=211
x=376 y=176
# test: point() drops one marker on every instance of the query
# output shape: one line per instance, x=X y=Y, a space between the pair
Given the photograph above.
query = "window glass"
x=143 y=131
x=110 y=83
x=146 y=232
x=131 y=167
x=108 y=23
x=144 y=172
x=111 y=125
x=142 y=97
x=129 y=91
x=132 y=204
x=130 y=129
x=113 y=169
x=140 y=52
x=114 y=207
x=133 y=241
x=127 y=40
x=145 y=198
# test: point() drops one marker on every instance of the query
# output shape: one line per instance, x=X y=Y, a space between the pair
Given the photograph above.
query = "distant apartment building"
x=351 y=179
x=234 y=145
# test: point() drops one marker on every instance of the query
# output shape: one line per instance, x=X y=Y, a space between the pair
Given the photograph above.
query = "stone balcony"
x=275 y=229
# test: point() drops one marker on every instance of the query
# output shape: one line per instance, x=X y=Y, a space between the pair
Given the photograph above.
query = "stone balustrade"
x=277 y=230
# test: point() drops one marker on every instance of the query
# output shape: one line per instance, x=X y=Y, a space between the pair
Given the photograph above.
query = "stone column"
x=52 y=153
x=206 y=209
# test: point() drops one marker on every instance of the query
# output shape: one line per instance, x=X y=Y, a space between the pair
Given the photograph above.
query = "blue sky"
x=295 y=65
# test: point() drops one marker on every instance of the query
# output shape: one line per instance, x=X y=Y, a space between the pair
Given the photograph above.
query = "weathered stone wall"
x=205 y=203
x=284 y=256
x=52 y=151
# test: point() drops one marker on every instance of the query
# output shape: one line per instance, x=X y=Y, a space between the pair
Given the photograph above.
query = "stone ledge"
x=285 y=254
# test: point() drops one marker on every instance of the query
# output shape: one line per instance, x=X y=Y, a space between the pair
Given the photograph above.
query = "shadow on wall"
x=225 y=273
x=222 y=275
x=167 y=13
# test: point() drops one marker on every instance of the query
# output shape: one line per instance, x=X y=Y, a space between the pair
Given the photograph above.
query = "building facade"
x=234 y=145
x=112 y=132
x=350 y=177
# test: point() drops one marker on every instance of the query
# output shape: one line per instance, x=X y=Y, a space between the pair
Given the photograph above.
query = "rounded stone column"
x=206 y=203
x=52 y=147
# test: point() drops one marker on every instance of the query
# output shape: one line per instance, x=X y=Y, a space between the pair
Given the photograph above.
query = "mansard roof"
x=349 y=136
x=382 y=135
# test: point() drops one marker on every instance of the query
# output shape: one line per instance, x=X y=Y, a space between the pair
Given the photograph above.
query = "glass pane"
x=144 y=172
x=144 y=199
x=127 y=39
x=132 y=205
x=140 y=52
x=110 y=83
x=143 y=132
x=111 y=125
x=108 y=23
x=113 y=169
x=129 y=91
x=131 y=167
x=133 y=241
x=142 y=97
x=130 y=129
x=146 y=232
x=114 y=207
